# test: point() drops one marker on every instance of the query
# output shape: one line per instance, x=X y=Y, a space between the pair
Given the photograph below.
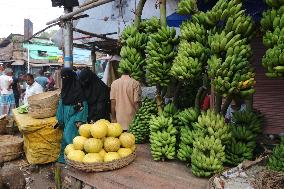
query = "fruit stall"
x=182 y=144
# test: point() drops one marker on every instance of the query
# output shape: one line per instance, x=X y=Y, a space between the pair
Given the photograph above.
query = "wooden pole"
x=163 y=13
x=138 y=12
x=78 y=11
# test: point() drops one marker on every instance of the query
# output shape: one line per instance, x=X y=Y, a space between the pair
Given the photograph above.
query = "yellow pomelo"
x=123 y=152
x=103 y=121
x=111 y=144
x=84 y=130
x=76 y=155
x=92 y=158
x=114 y=130
x=69 y=148
x=133 y=148
x=93 y=145
x=102 y=153
x=127 y=140
x=111 y=156
x=99 y=130
x=78 y=142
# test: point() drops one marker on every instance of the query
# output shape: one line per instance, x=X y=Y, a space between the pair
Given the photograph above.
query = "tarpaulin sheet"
x=41 y=140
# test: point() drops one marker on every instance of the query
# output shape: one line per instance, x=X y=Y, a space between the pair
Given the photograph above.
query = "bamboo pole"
x=78 y=11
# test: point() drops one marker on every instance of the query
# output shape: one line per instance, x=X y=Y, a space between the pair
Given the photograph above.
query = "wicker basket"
x=3 y=124
x=43 y=105
x=11 y=147
x=105 y=166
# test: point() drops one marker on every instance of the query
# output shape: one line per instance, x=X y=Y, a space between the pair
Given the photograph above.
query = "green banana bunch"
x=273 y=61
x=186 y=117
x=186 y=144
x=237 y=152
x=276 y=160
x=207 y=156
x=128 y=32
x=234 y=75
x=150 y=26
x=132 y=52
x=245 y=128
x=162 y=138
x=140 y=124
x=193 y=31
x=274 y=3
x=240 y=24
x=253 y=121
x=212 y=124
x=244 y=51
x=222 y=10
x=132 y=61
x=274 y=38
x=186 y=68
x=271 y=19
x=186 y=7
x=160 y=50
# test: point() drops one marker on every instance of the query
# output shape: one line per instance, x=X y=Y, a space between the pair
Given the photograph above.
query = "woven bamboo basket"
x=43 y=105
x=3 y=124
x=11 y=147
x=104 y=166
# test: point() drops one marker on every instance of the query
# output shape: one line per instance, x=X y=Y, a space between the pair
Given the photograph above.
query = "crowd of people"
x=14 y=91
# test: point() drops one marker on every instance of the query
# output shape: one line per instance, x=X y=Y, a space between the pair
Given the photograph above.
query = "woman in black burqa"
x=72 y=110
x=97 y=95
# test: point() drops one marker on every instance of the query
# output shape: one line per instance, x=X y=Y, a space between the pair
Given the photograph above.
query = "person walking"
x=33 y=88
x=41 y=79
x=72 y=110
x=97 y=95
x=16 y=90
x=7 y=99
x=125 y=98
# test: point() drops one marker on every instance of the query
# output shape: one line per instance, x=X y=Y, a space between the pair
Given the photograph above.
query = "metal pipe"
x=71 y=14
x=68 y=42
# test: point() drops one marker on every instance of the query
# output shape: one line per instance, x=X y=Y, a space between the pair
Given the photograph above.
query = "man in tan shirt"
x=125 y=97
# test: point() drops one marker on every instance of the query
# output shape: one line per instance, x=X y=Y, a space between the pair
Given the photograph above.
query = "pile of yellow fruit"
x=100 y=142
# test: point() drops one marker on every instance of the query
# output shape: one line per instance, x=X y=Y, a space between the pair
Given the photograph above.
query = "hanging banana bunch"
x=132 y=52
x=160 y=54
x=272 y=23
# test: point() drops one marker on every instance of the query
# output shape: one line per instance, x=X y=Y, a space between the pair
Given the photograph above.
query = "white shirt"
x=31 y=90
x=5 y=82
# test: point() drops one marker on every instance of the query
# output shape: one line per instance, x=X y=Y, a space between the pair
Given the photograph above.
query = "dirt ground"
x=41 y=177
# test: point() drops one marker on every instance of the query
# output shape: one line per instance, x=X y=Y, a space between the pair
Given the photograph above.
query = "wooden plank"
x=143 y=173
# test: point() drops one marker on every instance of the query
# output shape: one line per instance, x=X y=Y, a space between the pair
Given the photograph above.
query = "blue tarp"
x=252 y=7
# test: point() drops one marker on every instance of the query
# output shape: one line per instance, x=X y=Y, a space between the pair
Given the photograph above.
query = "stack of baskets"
x=43 y=105
x=11 y=147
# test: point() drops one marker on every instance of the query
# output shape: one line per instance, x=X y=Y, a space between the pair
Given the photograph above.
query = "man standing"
x=41 y=79
x=125 y=97
x=33 y=88
x=7 y=100
x=16 y=90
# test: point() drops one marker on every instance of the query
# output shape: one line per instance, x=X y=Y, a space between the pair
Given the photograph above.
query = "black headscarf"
x=71 y=92
x=97 y=95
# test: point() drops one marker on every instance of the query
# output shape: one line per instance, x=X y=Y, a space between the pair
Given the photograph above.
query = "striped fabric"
x=7 y=103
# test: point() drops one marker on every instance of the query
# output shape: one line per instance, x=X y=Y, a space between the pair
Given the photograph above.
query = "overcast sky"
x=13 y=13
